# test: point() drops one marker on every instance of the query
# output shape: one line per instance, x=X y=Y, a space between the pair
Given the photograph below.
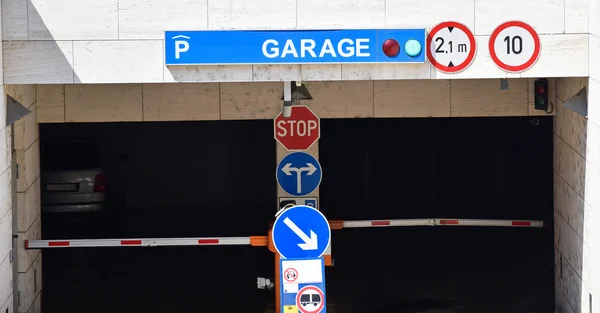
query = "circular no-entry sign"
x=514 y=46
x=310 y=299
x=451 y=47
x=290 y=275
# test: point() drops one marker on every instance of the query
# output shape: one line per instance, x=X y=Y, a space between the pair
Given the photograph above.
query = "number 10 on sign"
x=514 y=46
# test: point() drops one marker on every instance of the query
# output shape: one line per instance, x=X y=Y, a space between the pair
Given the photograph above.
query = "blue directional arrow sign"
x=301 y=232
x=299 y=174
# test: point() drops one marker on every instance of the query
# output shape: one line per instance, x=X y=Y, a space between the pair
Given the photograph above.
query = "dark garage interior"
x=200 y=179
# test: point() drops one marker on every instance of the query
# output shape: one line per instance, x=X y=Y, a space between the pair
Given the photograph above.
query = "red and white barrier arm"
x=147 y=242
x=262 y=241
x=435 y=222
x=487 y=223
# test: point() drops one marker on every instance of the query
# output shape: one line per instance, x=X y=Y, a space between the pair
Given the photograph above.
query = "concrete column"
x=6 y=212
x=576 y=187
x=26 y=141
x=592 y=182
x=571 y=211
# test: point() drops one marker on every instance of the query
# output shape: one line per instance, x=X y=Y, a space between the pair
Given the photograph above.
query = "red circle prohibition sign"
x=290 y=275
x=316 y=304
x=536 y=48
x=470 y=56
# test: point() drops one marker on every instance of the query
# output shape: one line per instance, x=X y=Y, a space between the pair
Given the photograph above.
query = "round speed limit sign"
x=514 y=46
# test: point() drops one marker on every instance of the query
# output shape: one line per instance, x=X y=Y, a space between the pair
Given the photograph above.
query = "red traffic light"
x=391 y=48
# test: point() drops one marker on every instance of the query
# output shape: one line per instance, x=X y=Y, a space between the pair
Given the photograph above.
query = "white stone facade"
x=103 y=60
x=121 y=41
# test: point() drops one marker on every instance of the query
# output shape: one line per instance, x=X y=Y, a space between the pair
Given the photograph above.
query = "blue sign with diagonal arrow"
x=301 y=232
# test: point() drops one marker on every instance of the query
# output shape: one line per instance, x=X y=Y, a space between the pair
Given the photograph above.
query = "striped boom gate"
x=263 y=241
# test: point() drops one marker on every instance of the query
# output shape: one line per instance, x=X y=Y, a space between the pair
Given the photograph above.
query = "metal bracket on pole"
x=287 y=99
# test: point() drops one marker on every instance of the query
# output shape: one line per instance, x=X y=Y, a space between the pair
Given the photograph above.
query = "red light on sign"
x=391 y=48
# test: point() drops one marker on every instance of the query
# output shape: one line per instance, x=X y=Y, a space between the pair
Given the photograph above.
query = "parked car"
x=72 y=178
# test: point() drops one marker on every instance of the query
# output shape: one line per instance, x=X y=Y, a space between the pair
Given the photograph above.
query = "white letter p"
x=181 y=46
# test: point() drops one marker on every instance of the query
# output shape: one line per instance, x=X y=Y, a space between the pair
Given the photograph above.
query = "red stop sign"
x=299 y=131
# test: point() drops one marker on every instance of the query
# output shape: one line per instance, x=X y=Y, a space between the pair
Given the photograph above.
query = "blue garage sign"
x=299 y=174
x=301 y=232
x=225 y=47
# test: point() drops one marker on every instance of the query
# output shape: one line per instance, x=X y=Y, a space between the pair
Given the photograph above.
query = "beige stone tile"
x=551 y=98
x=36 y=305
x=248 y=101
x=207 y=73
x=593 y=50
x=591 y=235
x=569 y=204
x=563 y=55
x=14 y=19
x=5 y=149
x=5 y=197
x=28 y=206
x=409 y=13
x=6 y=275
x=149 y=19
x=390 y=71
x=566 y=87
x=73 y=20
x=27 y=257
x=321 y=72
x=571 y=127
x=3 y=103
x=30 y=284
x=483 y=97
x=577 y=16
x=593 y=93
x=6 y=222
x=592 y=185
x=412 y=98
x=256 y=14
x=592 y=153
x=331 y=14
x=180 y=102
x=490 y=14
x=570 y=245
x=26 y=130
x=569 y=165
x=34 y=62
x=276 y=72
x=336 y=99
x=8 y=305
x=103 y=103
x=118 y=61
x=29 y=166
x=50 y=103
x=24 y=94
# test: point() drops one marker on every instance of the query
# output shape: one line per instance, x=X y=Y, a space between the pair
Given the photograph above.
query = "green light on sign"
x=412 y=48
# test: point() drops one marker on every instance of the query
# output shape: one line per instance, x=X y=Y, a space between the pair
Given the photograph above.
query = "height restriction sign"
x=451 y=47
